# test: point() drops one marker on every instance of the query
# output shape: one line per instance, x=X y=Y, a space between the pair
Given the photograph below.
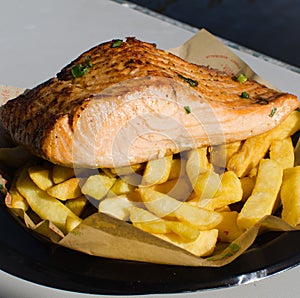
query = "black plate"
x=24 y=256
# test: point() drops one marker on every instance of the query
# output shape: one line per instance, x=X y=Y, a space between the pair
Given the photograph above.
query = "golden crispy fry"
x=203 y=246
x=97 y=186
x=61 y=174
x=197 y=163
x=247 y=184
x=179 y=189
x=183 y=230
x=157 y=171
x=45 y=206
x=17 y=200
x=77 y=205
x=282 y=151
x=264 y=195
x=127 y=170
x=147 y=221
x=297 y=153
x=118 y=206
x=290 y=196
x=204 y=180
x=69 y=189
x=163 y=205
x=228 y=228
x=177 y=168
x=229 y=192
x=120 y=187
x=201 y=218
x=72 y=223
x=108 y=172
x=221 y=154
x=158 y=203
x=255 y=148
x=41 y=176
x=207 y=185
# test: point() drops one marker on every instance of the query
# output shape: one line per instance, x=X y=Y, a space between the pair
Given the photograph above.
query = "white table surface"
x=39 y=37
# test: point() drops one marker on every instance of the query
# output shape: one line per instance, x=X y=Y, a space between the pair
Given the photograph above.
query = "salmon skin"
x=126 y=102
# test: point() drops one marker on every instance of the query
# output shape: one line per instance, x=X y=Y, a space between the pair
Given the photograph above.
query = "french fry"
x=41 y=176
x=203 y=246
x=183 y=230
x=177 y=168
x=290 y=196
x=120 y=187
x=108 y=172
x=197 y=163
x=72 y=223
x=255 y=148
x=45 y=206
x=157 y=171
x=77 y=205
x=158 y=203
x=17 y=201
x=207 y=185
x=179 y=189
x=247 y=184
x=147 y=221
x=282 y=151
x=297 y=153
x=118 y=206
x=264 y=195
x=163 y=205
x=230 y=192
x=61 y=174
x=69 y=189
x=201 y=218
x=200 y=172
x=97 y=186
x=221 y=154
x=228 y=228
x=127 y=170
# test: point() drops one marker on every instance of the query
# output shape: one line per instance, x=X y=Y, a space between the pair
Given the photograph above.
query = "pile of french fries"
x=194 y=200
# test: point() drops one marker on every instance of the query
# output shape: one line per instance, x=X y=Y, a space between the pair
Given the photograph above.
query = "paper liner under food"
x=104 y=236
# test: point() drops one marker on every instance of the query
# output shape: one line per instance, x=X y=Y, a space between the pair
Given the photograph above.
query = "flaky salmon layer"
x=125 y=103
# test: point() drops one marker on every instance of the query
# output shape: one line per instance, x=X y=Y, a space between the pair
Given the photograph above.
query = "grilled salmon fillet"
x=127 y=102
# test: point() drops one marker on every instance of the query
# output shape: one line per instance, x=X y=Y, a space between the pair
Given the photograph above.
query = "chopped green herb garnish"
x=273 y=111
x=192 y=82
x=88 y=61
x=79 y=70
x=241 y=78
x=234 y=247
x=244 y=94
x=230 y=251
x=116 y=43
x=187 y=109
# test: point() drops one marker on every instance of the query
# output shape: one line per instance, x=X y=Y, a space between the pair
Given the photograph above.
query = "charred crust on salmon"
x=99 y=86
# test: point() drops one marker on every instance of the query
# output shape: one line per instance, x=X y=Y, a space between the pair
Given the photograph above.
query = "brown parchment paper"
x=102 y=235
